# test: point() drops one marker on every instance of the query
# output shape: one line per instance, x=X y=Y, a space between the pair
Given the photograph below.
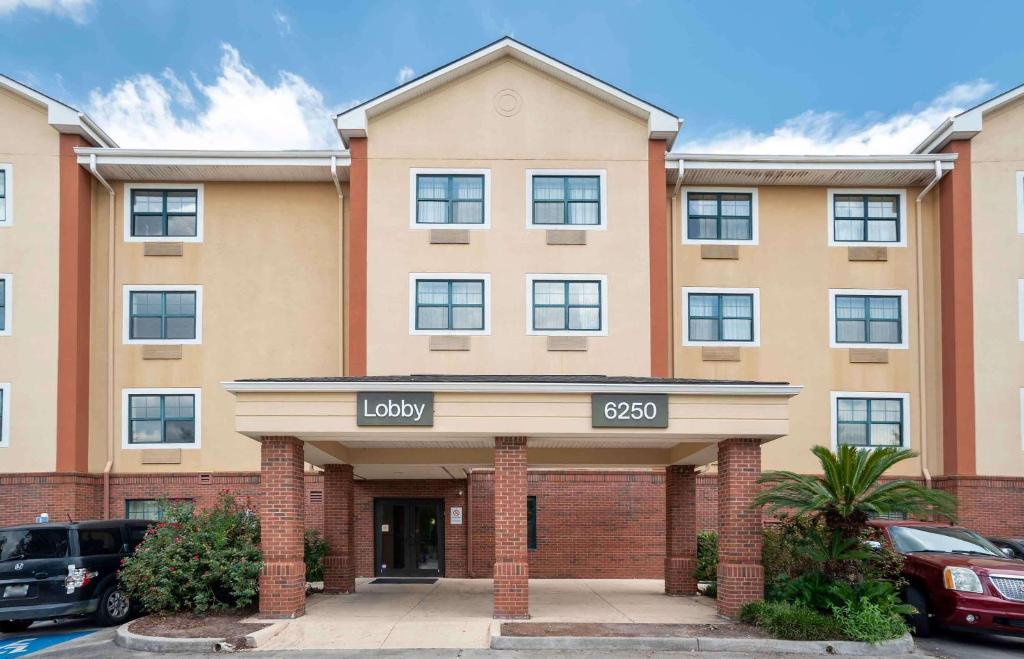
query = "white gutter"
x=341 y=268
x=513 y=387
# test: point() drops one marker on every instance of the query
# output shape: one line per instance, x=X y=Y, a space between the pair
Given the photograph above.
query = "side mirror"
x=873 y=545
x=1007 y=551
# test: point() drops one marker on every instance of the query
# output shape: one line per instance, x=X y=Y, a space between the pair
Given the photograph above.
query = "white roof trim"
x=742 y=161
x=236 y=158
x=354 y=122
x=967 y=124
x=62 y=117
x=515 y=387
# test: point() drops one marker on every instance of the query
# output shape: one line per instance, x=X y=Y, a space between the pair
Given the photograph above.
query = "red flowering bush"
x=197 y=561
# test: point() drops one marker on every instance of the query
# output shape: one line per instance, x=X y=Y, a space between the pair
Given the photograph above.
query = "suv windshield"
x=909 y=539
x=22 y=544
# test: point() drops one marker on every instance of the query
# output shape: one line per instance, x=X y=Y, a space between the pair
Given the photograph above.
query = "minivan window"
x=96 y=542
x=27 y=544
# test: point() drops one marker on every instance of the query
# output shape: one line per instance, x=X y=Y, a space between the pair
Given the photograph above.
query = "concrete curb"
x=260 y=637
x=899 y=646
x=131 y=641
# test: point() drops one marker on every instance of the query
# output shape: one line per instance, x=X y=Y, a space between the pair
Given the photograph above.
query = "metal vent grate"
x=205 y=479
x=316 y=496
x=1012 y=588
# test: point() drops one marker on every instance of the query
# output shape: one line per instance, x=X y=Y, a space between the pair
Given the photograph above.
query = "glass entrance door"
x=409 y=537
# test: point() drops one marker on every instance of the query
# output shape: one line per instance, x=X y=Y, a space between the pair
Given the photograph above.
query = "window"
x=6 y=295
x=6 y=195
x=450 y=197
x=531 y=522
x=867 y=319
x=161 y=418
x=869 y=419
x=163 y=314
x=165 y=212
x=567 y=199
x=5 y=414
x=567 y=305
x=720 y=216
x=150 y=509
x=99 y=542
x=721 y=317
x=449 y=304
x=867 y=217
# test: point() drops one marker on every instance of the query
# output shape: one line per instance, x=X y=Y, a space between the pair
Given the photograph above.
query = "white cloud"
x=814 y=132
x=76 y=10
x=284 y=24
x=405 y=74
x=239 y=110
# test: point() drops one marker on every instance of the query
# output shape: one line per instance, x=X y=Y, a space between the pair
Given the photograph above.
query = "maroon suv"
x=957 y=578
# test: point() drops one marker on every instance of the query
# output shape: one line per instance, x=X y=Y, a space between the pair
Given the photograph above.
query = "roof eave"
x=64 y=118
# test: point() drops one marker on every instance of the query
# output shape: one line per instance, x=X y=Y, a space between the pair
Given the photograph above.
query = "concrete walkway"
x=456 y=613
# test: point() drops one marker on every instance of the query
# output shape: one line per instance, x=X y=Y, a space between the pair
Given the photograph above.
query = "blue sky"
x=780 y=76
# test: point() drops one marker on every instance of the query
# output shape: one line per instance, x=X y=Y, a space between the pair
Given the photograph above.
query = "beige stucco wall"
x=268 y=265
x=794 y=268
x=29 y=251
x=558 y=127
x=997 y=154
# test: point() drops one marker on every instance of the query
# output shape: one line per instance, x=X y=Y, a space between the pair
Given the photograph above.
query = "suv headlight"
x=961 y=578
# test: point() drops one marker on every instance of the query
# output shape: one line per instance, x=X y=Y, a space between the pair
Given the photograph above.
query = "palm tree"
x=849 y=492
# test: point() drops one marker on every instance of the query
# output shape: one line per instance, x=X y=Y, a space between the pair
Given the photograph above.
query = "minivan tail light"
x=78 y=577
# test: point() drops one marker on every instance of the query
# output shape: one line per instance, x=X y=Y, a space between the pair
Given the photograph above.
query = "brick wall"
x=990 y=505
x=24 y=496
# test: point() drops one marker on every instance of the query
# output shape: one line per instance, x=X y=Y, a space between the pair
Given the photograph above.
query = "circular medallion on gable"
x=508 y=102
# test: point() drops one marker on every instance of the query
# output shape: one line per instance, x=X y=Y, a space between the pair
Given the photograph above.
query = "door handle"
x=41 y=575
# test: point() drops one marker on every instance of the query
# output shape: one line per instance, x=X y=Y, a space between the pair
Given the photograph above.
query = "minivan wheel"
x=920 y=623
x=14 y=626
x=114 y=608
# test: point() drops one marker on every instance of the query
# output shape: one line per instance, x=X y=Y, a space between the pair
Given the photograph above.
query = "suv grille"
x=1012 y=588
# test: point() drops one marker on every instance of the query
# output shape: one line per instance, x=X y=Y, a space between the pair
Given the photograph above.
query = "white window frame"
x=8 y=301
x=834 y=403
x=8 y=202
x=685 y=306
x=1019 y=179
x=126 y=297
x=161 y=391
x=723 y=189
x=5 y=427
x=127 y=219
x=602 y=175
x=456 y=276
x=832 y=192
x=904 y=296
x=447 y=171
x=530 y=278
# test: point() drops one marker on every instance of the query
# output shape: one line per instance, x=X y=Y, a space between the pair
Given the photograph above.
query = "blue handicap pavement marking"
x=20 y=646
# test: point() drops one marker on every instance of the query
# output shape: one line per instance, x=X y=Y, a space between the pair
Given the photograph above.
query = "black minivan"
x=63 y=570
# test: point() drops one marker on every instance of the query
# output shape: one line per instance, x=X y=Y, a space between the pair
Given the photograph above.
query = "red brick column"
x=282 y=521
x=740 y=574
x=680 y=530
x=339 y=563
x=511 y=567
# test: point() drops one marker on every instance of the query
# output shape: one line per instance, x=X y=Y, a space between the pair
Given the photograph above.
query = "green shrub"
x=707 y=556
x=314 y=548
x=197 y=561
x=792 y=622
x=867 y=621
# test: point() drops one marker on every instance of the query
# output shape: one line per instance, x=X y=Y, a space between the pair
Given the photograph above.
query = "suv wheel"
x=920 y=622
x=114 y=608
x=14 y=626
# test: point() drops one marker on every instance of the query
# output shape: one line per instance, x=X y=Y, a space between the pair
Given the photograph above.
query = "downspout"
x=921 y=374
x=341 y=265
x=469 y=525
x=110 y=335
x=672 y=265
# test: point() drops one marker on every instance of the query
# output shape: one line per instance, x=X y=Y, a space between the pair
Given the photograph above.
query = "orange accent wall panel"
x=958 y=428
x=658 y=237
x=355 y=260
x=73 y=314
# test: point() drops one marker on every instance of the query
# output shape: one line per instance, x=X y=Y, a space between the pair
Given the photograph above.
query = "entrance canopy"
x=438 y=426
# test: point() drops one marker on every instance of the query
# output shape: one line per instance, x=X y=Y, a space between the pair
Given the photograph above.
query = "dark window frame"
x=3 y=303
x=693 y=220
x=868 y=423
x=4 y=196
x=866 y=218
x=162 y=510
x=450 y=199
x=450 y=306
x=565 y=201
x=164 y=214
x=720 y=318
x=867 y=320
x=163 y=315
x=531 y=523
x=566 y=306
x=163 y=418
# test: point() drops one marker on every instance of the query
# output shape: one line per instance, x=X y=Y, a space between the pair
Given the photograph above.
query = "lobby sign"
x=629 y=410
x=399 y=409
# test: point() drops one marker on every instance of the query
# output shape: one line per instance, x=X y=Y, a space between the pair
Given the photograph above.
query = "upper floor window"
x=867 y=217
x=720 y=216
x=449 y=304
x=161 y=417
x=165 y=212
x=5 y=414
x=869 y=419
x=721 y=317
x=6 y=196
x=868 y=318
x=163 y=314
x=6 y=294
x=450 y=198
x=567 y=199
x=567 y=304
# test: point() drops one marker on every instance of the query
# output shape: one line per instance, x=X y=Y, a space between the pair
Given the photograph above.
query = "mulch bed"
x=226 y=625
x=630 y=630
